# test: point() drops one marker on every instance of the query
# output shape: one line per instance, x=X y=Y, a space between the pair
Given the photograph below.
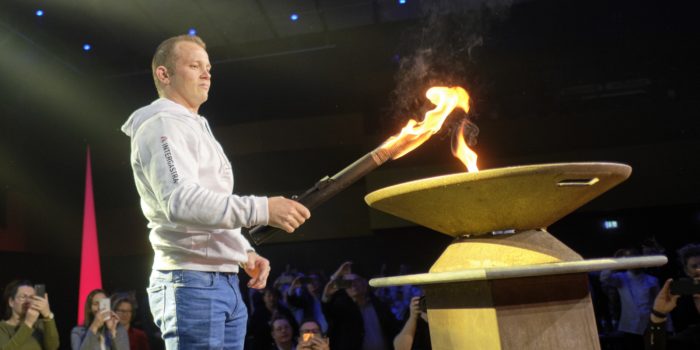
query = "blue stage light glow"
x=610 y=224
x=192 y=32
x=294 y=17
x=401 y=2
x=87 y=47
x=39 y=13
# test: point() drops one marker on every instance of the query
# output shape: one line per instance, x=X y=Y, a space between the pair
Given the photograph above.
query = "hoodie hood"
x=161 y=105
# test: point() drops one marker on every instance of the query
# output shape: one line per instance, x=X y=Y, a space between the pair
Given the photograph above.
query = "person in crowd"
x=259 y=334
x=29 y=323
x=101 y=329
x=636 y=291
x=304 y=299
x=311 y=336
x=415 y=334
x=185 y=182
x=684 y=310
x=125 y=308
x=356 y=320
x=282 y=333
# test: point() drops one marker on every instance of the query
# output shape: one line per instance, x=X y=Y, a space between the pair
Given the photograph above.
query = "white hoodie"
x=185 y=182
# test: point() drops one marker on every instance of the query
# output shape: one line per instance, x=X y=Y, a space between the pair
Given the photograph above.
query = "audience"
x=259 y=324
x=311 y=337
x=101 y=329
x=415 y=334
x=353 y=316
x=356 y=320
x=124 y=307
x=29 y=323
x=282 y=334
x=636 y=291
x=684 y=310
x=303 y=298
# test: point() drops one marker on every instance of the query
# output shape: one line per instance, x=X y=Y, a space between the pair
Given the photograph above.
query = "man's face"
x=358 y=288
x=281 y=331
x=692 y=267
x=311 y=329
x=189 y=83
x=20 y=302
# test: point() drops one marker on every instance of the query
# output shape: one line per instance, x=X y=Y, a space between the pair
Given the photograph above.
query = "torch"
x=412 y=135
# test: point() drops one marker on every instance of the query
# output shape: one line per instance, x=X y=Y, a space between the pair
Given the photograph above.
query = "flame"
x=414 y=134
x=462 y=151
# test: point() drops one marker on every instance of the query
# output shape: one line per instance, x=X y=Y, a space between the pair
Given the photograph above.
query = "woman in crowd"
x=101 y=329
x=29 y=322
x=124 y=308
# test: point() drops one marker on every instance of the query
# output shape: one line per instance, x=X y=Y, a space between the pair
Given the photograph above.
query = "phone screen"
x=40 y=290
x=105 y=306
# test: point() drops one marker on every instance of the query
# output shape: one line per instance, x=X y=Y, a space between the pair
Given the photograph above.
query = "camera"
x=685 y=286
x=422 y=304
x=307 y=336
x=105 y=307
x=40 y=290
x=342 y=283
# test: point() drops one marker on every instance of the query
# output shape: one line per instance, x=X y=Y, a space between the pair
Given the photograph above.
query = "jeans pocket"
x=197 y=279
x=156 y=301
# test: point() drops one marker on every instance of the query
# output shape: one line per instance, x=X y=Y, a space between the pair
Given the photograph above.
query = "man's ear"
x=162 y=74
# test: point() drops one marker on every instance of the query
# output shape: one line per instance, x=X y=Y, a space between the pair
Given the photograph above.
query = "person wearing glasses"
x=124 y=308
x=29 y=322
x=311 y=337
x=101 y=329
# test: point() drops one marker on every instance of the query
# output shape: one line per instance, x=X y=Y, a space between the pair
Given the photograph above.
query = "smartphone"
x=685 y=286
x=342 y=283
x=307 y=336
x=40 y=290
x=421 y=303
x=105 y=306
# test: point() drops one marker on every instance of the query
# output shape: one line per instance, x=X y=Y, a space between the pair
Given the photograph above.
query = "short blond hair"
x=166 y=56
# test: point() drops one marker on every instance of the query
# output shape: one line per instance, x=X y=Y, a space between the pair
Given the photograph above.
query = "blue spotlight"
x=402 y=2
x=294 y=17
x=39 y=13
x=610 y=224
x=87 y=47
x=192 y=32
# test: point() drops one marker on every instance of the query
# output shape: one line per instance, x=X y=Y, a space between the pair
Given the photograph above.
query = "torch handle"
x=328 y=187
x=262 y=233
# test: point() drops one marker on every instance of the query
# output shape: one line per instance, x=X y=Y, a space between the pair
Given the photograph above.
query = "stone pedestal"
x=505 y=282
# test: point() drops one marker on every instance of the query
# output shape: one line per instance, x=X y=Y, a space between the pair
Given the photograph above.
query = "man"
x=185 y=182
x=356 y=320
x=311 y=337
x=636 y=291
x=685 y=309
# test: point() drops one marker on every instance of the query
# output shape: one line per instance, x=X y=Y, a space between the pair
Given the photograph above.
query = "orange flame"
x=414 y=134
x=462 y=151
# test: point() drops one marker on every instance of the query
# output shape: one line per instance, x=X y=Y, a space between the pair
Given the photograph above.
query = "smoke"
x=443 y=51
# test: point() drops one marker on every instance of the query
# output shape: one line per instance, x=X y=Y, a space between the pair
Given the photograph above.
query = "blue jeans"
x=198 y=310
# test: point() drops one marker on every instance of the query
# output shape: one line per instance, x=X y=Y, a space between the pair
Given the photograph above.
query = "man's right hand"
x=286 y=214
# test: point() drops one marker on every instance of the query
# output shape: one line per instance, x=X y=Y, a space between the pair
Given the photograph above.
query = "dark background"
x=291 y=102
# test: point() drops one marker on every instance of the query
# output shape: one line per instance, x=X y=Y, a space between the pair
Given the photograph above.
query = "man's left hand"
x=258 y=268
